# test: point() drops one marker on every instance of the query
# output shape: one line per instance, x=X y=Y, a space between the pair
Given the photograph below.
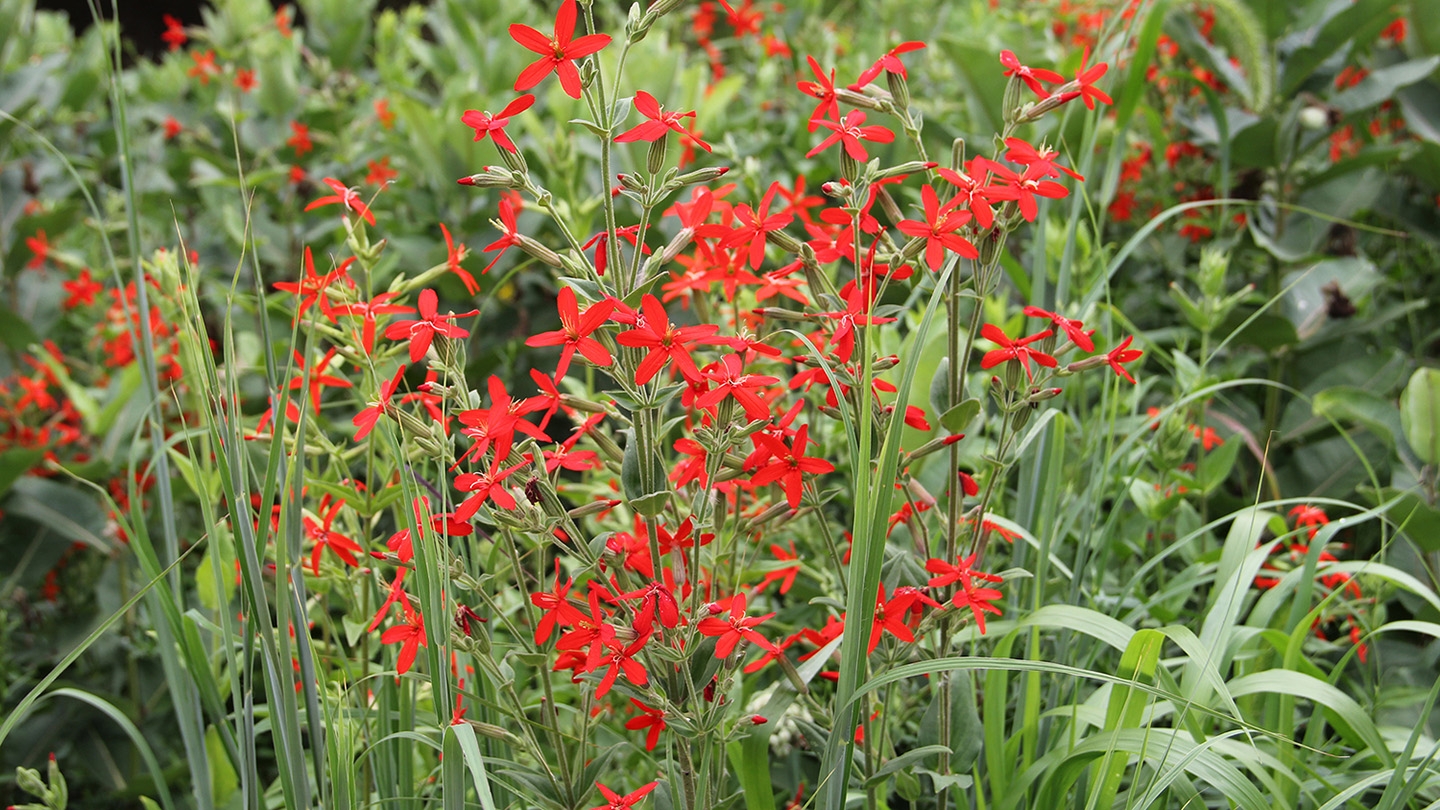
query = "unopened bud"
x=630 y=182
x=887 y=204
x=863 y=100
x=758 y=720
x=908 y=167
x=515 y=160
x=957 y=154
x=1087 y=363
x=887 y=362
x=593 y=508
x=898 y=89
x=1042 y=394
x=494 y=732
x=538 y=250
x=784 y=241
x=702 y=175
x=838 y=190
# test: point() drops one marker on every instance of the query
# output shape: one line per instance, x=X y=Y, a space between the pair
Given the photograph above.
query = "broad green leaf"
x=1382 y=84
x=1126 y=708
x=1348 y=404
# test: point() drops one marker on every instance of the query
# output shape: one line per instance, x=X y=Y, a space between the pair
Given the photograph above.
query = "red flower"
x=613 y=800
x=556 y=607
x=1075 y=330
x=653 y=719
x=822 y=88
x=849 y=133
x=1016 y=350
x=245 y=79
x=730 y=381
x=497 y=424
x=1020 y=151
x=890 y=63
x=893 y=615
x=754 y=225
x=368 y=310
x=410 y=635
x=174 y=34
x=575 y=330
x=601 y=241
x=788 y=465
x=938 y=229
x=660 y=122
x=81 y=291
x=453 y=255
x=326 y=537
x=365 y=420
x=39 y=245
x=379 y=172
x=348 y=197
x=384 y=114
x=172 y=128
x=733 y=627
x=484 y=487
x=204 y=66
x=318 y=378
x=785 y=576
x=422 y=332
x=1120 y=355
x=1022 y=188
x=617 y=659
x=511 y=236
x=1030 y=76
x=311 y=286
x=299 y=139
x=494 y=126
x=665 y=341
x=1311 y=516
x=856 y=313
x=1087 y=78
x=558 y=52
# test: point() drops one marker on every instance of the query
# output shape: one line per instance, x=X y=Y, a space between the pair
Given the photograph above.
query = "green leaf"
x=1215 y=465
x=15 y=463
x=959 y=417
x=1344 y=403
x=1419 y=520
x=223 y=780
x=1358 y=22
x=1420 y=414
x=463 y=737
x=1126 y=708
x=1382 y=84
x=15 y=331
x=912 y=757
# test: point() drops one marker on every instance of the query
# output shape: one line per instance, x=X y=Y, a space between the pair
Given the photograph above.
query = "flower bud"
x=784 y=241
x=957 y=155
x=655 y=158
x=702 y=176
x=28 y=780
x=908 y=167
x=515 y=160
x=1042 y=394
x=594 y=508
x=887 y=204
x=898 y=89
x=538 y=250
x=758 y=720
